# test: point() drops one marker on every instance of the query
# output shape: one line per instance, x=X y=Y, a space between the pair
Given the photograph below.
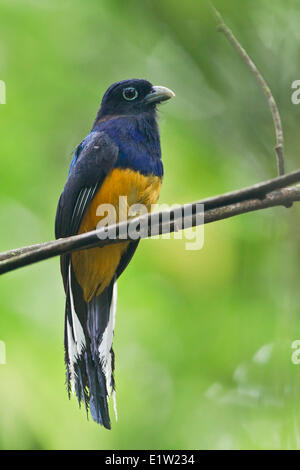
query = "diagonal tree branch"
x=256 y=191
x=257 y=197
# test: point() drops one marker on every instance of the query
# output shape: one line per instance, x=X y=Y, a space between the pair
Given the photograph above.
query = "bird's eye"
x=130 y=94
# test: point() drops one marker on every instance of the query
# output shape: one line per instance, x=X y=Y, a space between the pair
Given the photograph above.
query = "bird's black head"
x=133 y=96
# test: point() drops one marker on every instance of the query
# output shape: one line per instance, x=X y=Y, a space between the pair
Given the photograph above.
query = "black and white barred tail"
x=89 y=357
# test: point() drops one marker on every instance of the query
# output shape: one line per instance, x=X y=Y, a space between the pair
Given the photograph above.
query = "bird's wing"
x=95 y=160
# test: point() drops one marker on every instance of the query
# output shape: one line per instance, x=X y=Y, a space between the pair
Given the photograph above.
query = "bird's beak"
x=159 y=94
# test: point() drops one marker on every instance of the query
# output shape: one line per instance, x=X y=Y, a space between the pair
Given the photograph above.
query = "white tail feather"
x=76 y=345
x=105 y=346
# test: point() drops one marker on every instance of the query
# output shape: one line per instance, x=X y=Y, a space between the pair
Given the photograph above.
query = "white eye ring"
x=130 y=94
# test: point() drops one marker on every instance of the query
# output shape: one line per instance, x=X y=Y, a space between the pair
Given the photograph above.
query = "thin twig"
x=222 y=27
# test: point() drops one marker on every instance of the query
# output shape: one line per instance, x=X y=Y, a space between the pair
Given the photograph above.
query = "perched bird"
x=121 y=156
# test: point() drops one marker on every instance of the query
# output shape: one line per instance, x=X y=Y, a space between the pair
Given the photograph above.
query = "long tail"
x=89 y=357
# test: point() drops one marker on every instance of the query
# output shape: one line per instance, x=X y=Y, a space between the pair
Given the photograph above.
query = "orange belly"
x=95 y=268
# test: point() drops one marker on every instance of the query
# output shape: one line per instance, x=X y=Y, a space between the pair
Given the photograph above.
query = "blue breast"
x=138 y=141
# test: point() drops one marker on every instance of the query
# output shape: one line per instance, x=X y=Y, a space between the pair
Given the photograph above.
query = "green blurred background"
x=203 y=338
